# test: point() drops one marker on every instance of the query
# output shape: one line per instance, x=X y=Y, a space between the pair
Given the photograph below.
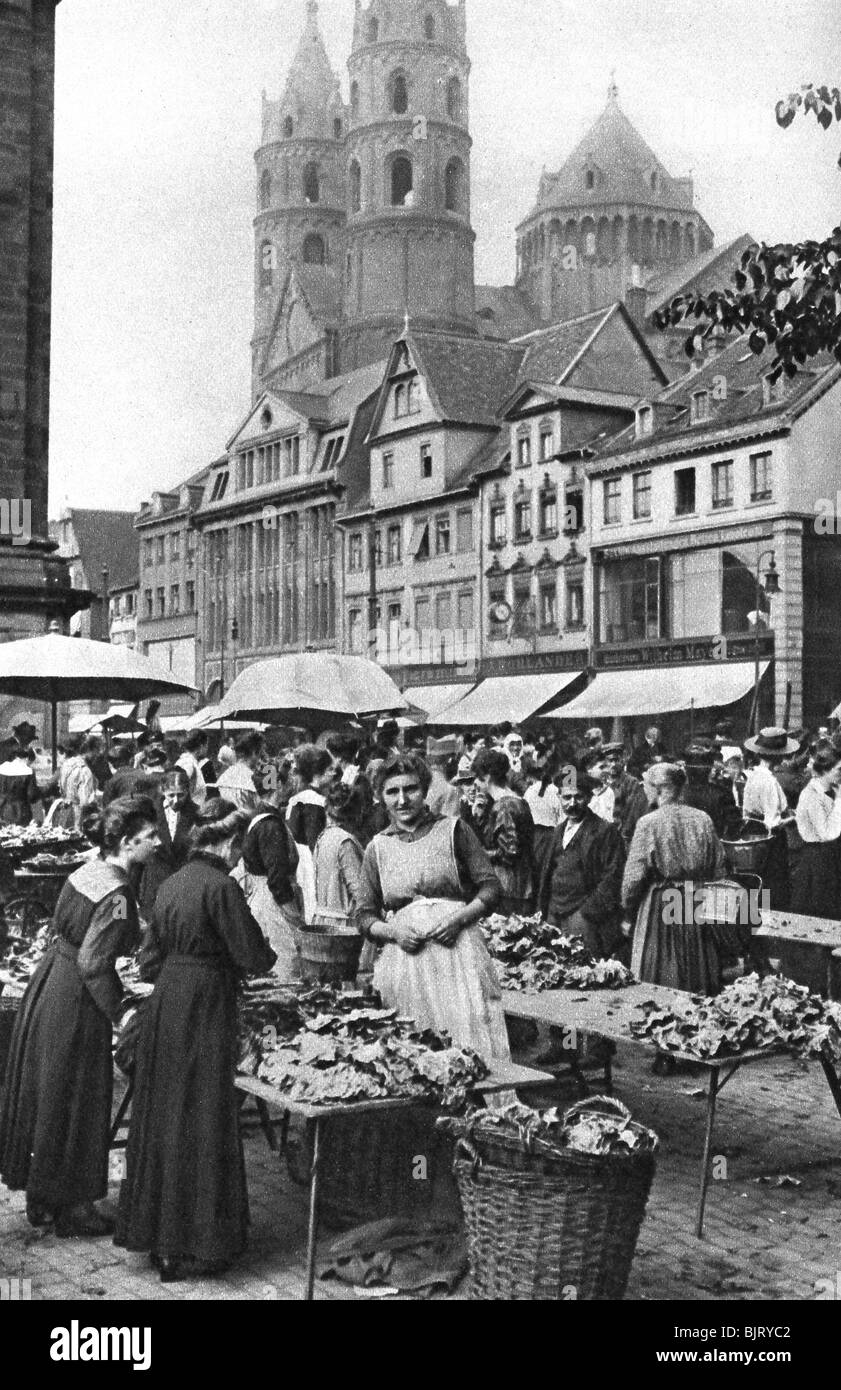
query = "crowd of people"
x=213 y=867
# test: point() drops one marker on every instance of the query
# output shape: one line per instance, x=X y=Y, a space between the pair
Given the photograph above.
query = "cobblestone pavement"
x=763 y=1241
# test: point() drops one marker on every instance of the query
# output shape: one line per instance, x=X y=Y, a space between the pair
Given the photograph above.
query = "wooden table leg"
x=312 y=1233
x=266 y=1124
x=708 y=1143
x=121 y=1113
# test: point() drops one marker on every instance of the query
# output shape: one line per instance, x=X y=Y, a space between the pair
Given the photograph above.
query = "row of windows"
x=444 y=629
x=689 y=593
x=761 y=484
x=398 y=97
x=701 y=405
x=155 y=550
x=123 y=607
x=431 y=536
x=546 y=447
x=289 y=127
x=269 y=463
x=155 y=601
x=572 y=521
x=642 y=239
x=372 y=30
x=399 y=185
x=530 y=613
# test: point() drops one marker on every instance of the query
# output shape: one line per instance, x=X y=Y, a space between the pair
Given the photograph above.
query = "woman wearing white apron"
x=267 y=877
x=429 y=876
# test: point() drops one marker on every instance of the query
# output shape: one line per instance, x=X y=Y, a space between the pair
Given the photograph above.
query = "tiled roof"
x=549 y=353
x=469 y=377
x=712 y=270
x=105 y=540
x=615 y=148
x=502 y=311
x=742 y=374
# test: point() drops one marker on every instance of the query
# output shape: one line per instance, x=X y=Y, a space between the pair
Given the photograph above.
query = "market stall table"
x=797 y=930
x=610 y=1015
x=502 y=1078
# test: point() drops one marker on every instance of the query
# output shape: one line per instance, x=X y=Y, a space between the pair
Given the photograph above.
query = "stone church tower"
x=363 y=213
x=612 y=217
x=409 y=239
x=301 y=215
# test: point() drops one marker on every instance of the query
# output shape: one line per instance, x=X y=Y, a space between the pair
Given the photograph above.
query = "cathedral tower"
x=409 y=237
x=611 y=217
x=301 y=202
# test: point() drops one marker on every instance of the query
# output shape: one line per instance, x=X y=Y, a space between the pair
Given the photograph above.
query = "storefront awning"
x=431 y=699
x=661 y=690
x=511 y=698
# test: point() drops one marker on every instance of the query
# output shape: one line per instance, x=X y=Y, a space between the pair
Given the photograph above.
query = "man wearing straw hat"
x=764 y=800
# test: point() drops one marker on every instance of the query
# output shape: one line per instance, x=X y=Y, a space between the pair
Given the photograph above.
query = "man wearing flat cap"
x=621 y=798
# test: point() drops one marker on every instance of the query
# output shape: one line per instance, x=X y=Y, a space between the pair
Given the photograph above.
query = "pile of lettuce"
x=532 y=956
x=773 y=1014
x=319 y=1046
x=601 y=1126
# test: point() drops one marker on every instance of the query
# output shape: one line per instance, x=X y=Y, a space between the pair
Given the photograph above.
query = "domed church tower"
x=300 y=220
x=409 y=236
x=611 y=217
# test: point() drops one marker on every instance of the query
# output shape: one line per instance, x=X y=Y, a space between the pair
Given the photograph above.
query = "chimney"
x=636 y=300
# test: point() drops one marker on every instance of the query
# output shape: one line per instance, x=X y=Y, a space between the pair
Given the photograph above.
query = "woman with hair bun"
x=673 y=847
x=56 y=1119
x=184 y=1199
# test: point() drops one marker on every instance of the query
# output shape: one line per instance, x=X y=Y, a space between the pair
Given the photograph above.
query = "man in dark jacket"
x=580 y=889
x=621 y=798
x=652 y=750
x=177 y=815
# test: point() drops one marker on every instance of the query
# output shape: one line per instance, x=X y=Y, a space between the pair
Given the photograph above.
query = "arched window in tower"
x=690 y=243
x=399 y=94
x=429 y=27
x=402 y=182
x=312 y=190
x=266 y=190
x=315 y=252
x=355 y=181
x=288 y=127
x=373 y=30
x=268 y=264
x=454 y=99
x=337 y=128
x=654 y=182
x=589 y=179
x=354 y=99
x=454 y=186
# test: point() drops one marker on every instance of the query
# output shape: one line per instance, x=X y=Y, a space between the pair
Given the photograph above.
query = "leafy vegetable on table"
x=317 y=1046
x=773 y=1014
x=531 y=956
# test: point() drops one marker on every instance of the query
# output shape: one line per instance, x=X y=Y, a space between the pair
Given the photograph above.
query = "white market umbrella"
x=310 y=689
x=211 y=717
x=56 y=668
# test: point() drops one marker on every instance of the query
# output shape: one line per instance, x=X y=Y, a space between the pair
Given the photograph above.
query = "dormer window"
x=773 y=391
x=645 y=421
x=700 y=407
x=266 y=419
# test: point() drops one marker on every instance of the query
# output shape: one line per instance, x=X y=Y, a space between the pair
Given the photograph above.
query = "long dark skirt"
x=816 y=886
x=54 y=1130
x=544 y=838
x=679 y=955
x=184 y=1197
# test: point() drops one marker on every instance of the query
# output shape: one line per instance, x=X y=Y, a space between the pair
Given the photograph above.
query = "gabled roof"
x=105 y=540
x=467 y=378
x=625 y=162
x=712 y=270
x=553 y=354
x=742 y=411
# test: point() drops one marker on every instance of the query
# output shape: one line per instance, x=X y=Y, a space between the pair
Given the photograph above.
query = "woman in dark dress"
x=184 y=1198
x=56 y=1116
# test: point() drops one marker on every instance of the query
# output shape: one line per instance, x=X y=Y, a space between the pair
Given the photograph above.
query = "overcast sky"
x=158 y=117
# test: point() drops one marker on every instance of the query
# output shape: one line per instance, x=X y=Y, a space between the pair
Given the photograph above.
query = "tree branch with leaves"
x=787 y=296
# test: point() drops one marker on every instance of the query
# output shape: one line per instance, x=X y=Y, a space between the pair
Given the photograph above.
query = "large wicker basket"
x=559 y=1226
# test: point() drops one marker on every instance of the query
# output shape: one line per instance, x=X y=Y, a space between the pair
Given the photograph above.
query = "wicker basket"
x=329 y=958
x=747 y=856
x=551 y=1225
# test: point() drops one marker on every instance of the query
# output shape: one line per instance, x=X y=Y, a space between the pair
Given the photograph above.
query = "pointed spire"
x=613 y=90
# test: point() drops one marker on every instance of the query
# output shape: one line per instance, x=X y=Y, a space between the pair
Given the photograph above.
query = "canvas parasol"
x=56 y=668
x=312 y=689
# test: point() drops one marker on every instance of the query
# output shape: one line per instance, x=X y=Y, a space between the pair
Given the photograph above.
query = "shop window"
x=630 y=600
